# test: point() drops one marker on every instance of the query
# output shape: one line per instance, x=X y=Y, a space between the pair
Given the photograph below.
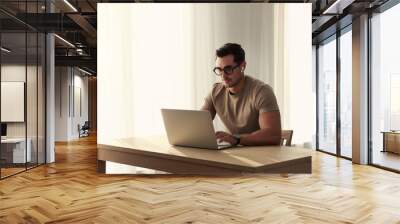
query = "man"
x=246 y=106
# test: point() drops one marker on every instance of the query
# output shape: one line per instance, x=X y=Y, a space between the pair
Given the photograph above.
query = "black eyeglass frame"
x=227 y=69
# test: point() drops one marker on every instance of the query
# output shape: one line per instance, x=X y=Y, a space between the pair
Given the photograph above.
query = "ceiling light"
x=84 y=71
x=337 y=7
x=70 y=5
x=64 y=40
x=5 y=50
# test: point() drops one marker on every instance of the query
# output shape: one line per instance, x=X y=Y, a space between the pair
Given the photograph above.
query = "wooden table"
x=156 y=153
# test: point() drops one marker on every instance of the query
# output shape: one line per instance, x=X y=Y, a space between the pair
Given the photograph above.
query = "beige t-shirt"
x=240 y=112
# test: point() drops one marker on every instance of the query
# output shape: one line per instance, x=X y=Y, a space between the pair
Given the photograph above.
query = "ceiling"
x=76 y=22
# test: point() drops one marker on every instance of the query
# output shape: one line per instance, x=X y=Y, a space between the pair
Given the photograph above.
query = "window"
x=346 y=93
x=327 y=96
x=385 y=84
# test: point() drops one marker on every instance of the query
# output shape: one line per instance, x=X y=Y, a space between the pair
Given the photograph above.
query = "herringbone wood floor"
x=70 y=191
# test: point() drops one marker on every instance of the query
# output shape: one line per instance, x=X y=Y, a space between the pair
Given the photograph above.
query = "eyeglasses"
x=227 y=69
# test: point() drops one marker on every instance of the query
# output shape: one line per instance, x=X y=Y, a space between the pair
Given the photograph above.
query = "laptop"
x=191 y=128
x=3 y=131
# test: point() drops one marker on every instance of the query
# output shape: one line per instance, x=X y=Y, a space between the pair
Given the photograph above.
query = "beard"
x=231 y=83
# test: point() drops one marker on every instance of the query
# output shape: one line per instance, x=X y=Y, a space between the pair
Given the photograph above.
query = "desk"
x=156 y=153
x=13 y=150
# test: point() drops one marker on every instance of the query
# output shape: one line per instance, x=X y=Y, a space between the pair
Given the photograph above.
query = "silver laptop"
x=193 y=128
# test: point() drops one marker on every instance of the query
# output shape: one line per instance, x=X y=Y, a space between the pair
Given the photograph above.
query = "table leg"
x=101 y=166
x=384 y=142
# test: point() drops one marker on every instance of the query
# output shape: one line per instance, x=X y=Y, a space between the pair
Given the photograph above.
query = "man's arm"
x=210 y=109
x=269 y=134
x=270 y=130
x=208 y=105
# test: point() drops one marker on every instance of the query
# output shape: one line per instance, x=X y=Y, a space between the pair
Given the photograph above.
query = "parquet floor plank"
x=71 y=191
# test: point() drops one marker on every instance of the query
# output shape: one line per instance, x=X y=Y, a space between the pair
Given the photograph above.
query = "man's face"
x=227 y=63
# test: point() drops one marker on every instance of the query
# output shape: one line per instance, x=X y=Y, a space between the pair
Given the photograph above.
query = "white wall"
x=165 y=60
x=80 y=103
x=12 y=73
x=69 y=84
x=61 y=103
x=15 y=72
x=299 y=93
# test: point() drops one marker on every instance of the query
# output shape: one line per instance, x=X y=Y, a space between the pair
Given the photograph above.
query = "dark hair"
x=234 y=49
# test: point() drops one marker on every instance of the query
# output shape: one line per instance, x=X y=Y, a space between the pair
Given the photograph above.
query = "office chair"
x=286 y=138
x=84 y=130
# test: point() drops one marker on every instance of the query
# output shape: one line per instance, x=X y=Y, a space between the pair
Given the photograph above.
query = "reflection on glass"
x=346 y=94
x=327 y=97
x=385 y=85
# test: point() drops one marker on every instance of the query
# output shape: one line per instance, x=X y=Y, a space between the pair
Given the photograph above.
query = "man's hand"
x=225 y=137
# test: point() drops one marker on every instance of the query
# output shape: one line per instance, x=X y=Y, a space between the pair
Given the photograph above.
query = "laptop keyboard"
x=224 y=145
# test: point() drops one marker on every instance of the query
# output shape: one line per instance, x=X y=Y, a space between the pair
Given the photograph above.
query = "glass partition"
x=22 y=88
x=13 y=105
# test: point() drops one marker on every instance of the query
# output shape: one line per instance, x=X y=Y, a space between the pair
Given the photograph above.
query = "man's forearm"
x=261 y=137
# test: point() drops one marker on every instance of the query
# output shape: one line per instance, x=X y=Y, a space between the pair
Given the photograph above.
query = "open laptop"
x=193 y=128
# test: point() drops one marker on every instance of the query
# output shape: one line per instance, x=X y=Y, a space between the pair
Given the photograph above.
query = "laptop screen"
x=3 y=129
